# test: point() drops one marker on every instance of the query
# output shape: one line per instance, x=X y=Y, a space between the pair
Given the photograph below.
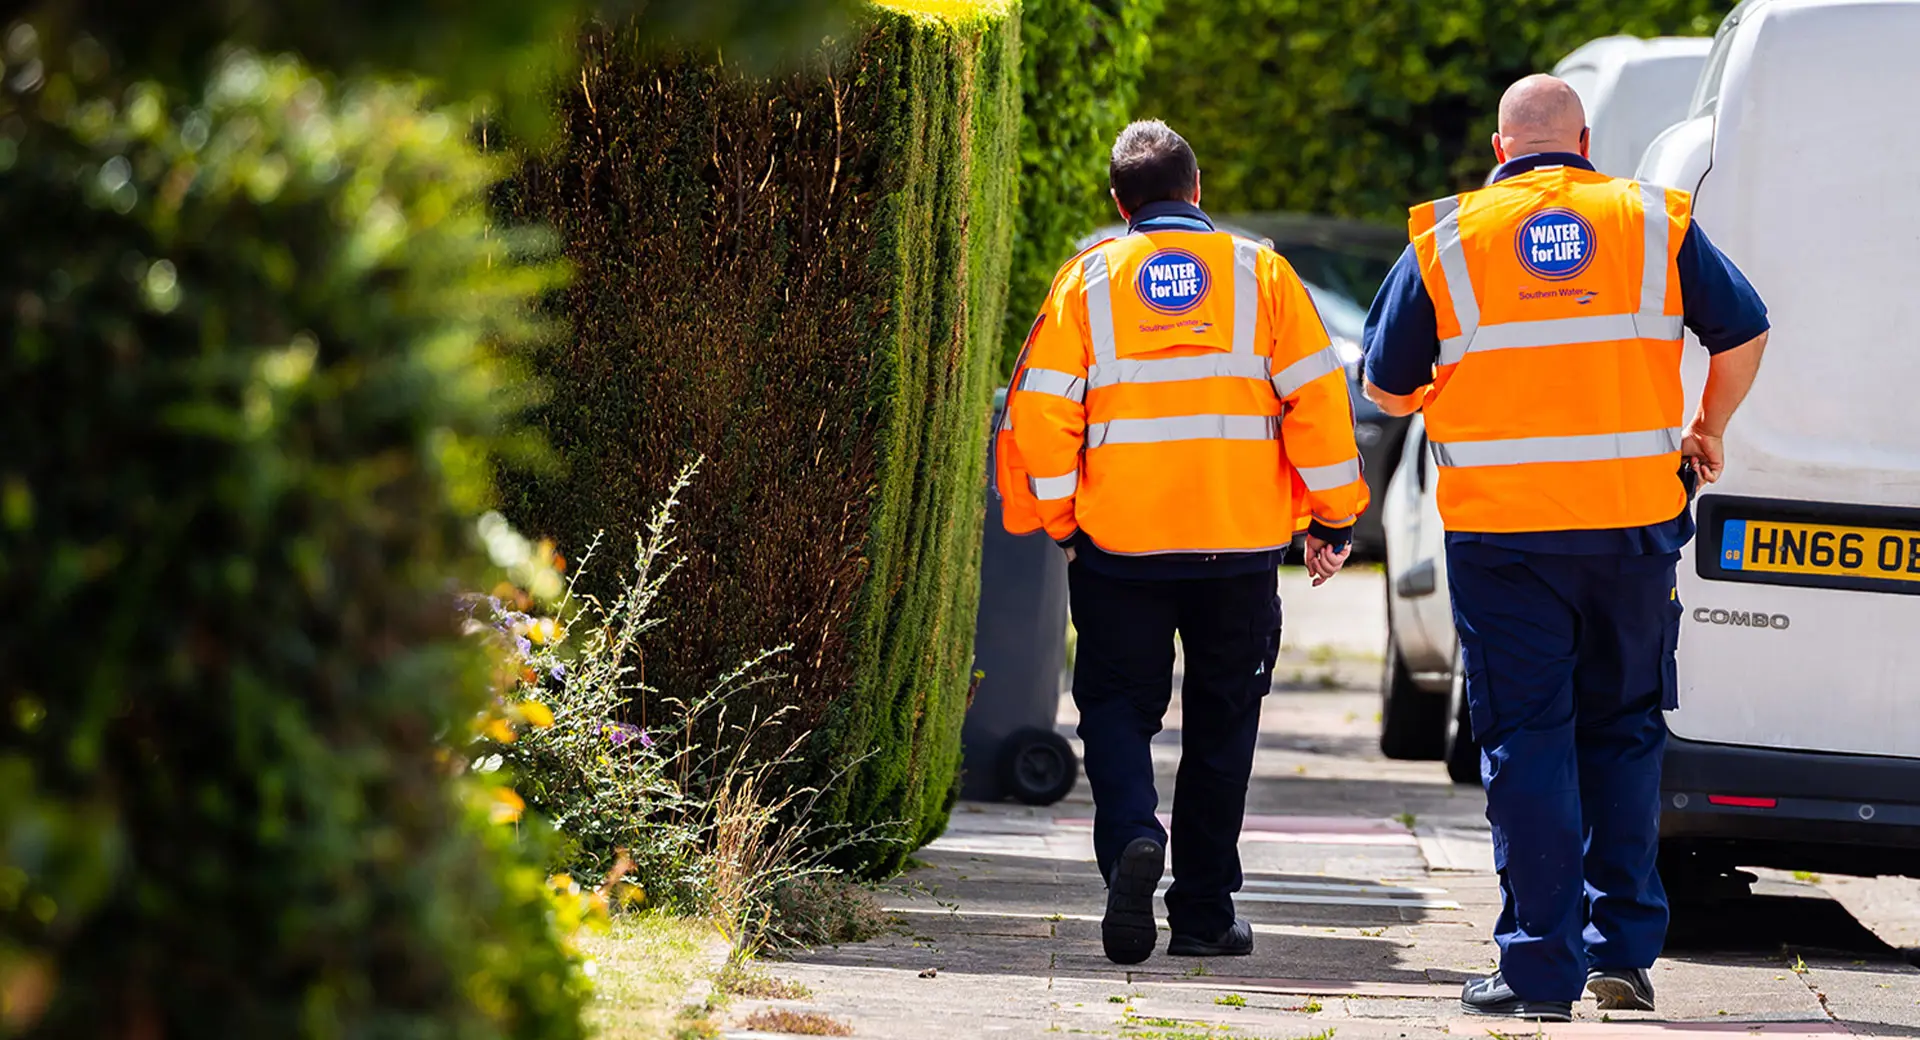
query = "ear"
x=1586 y=141
x=1499 y=148
x=1196 y=187
x=1124 y=215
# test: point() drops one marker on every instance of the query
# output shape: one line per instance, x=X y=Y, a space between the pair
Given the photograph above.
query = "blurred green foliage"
x=803 y=280
x=1080 y=68
x=507 y=53
x=249 y=407
x=1358 y=108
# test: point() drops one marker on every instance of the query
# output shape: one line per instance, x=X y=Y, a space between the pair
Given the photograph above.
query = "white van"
x=1632 y=89
x=1797 y=742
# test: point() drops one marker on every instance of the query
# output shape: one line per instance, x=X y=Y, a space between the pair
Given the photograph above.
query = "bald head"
x=1540 y=114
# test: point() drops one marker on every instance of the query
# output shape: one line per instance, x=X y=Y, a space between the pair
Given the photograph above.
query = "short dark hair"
x=1151 y=163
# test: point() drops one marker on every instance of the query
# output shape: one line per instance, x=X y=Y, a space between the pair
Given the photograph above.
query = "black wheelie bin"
x=1010 y=747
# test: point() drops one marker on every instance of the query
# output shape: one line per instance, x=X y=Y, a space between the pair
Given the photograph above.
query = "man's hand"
x=1323 y=561
x=1071 y=554
x=1703 y=447
x=1729 y=376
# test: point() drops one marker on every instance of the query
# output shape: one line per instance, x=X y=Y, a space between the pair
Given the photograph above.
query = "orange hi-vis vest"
x=1556 y=404
x=1177 y=395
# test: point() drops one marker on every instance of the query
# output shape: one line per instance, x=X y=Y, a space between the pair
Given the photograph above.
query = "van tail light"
x=1742 y=801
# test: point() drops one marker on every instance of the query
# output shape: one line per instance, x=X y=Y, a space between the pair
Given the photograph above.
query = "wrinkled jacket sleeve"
x=1047 y=404
x=1316 y=425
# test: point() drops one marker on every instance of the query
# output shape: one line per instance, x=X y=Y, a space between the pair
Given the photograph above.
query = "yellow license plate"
x=1766 y=546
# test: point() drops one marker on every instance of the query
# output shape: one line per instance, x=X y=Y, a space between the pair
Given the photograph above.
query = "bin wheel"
x=1038 y=766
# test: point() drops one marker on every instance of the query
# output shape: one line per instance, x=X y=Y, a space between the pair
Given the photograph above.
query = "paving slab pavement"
x=1372 y=898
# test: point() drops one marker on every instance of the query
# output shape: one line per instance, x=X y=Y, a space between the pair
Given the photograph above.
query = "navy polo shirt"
x=1402 y=345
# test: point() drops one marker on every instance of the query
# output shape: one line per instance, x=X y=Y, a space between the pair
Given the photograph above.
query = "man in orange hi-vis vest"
x=1177 y=415
x=1538 y=322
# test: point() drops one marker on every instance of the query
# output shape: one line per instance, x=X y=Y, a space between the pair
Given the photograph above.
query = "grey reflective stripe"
x=1342 y=522
x=1055 y=382
x=1453 y=270
x=1658 y=326
x=1327 y=478
x=1597 y=447
x=1290 y=379
x=1246 y=294
x=1588 y=328
x=1093 y=276
x=1174 y=370
x=1184 y=428
x=1653 y=276
x=1649 y=323
x=1051 y=489
x=1198 y=549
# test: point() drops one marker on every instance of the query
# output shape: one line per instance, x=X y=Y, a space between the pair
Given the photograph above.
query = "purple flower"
x=622 y=734
x=521 y=644
x=558 y=671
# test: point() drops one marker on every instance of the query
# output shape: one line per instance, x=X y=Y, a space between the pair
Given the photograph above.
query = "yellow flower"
x=538 y=715
x=544 y=631
x=507 y=805
x=500 y=730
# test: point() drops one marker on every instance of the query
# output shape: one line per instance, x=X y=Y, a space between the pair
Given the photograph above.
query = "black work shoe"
x=1128 y=931
x=1236 y=941
x=1621 y=989
x=1492 y=996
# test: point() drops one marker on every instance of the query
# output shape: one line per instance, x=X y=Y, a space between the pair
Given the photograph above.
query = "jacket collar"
x=1520 y=164
x=1170 y=216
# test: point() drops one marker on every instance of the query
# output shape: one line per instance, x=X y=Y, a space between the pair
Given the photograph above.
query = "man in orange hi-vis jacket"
x=1537 y=322
x=1177 y=415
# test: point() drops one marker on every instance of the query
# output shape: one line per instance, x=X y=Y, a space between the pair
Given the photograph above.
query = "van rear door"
x=1803 y=589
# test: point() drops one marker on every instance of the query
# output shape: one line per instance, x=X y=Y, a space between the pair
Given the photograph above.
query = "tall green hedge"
x=1360 y=108
x=1080 y=68
x=246 y=413
x=802 y=279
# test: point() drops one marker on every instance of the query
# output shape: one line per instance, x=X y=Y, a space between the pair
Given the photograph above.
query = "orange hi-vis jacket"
x=1556 y=404
x=1177 y=395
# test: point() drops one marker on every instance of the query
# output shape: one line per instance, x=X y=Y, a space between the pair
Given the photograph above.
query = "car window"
x=1342 y=316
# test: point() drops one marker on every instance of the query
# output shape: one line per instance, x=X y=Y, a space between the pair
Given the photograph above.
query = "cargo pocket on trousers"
x=1670 y=658
x=1266 y=630
x=1479 y=695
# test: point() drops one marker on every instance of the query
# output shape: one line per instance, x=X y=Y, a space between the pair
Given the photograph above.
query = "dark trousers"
x=1122 y=682
x=1569 y=662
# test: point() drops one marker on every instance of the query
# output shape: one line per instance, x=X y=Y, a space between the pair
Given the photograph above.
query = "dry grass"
x=824 y=910
x=646 y=965
x=799 y=1023
x=740 y=981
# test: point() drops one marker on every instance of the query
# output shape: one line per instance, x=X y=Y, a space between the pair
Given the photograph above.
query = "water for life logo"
x=1555 y=244
x=1173 y=281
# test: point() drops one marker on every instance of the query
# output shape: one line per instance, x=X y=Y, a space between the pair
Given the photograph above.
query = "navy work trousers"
x=1122 y=682
x=1569 y=663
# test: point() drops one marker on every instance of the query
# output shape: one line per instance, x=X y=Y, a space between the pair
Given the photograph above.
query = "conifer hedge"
x=802 y=278
x=247 y=407
x=1359 y=108
x=1081 y=63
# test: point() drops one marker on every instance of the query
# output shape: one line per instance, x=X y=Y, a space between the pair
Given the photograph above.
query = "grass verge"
x=647 y=966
